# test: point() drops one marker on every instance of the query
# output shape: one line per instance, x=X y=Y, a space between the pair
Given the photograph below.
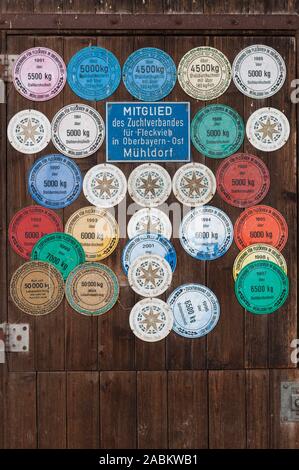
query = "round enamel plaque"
x=148 y=244
x=30 y=224
x=262 y=287
x=29 y=131
x=259 y=71
x=204 y=73
x=149 y=74
x=195 y=310
x=268 y=129
x=149 y=221
x=92 y=289
x=39 y=74
x=206 y=233
x=93 y=73
x=261 y=224
x=60 y=249
x=194 y=184
x=55 y=181
x=96 y=230
x=243 y=180
x=37 y=288
x=78 y=130
x=149 y=185
x=217 y=131
x=151 y=320
x=150 y=275
x=258 y=252
x=104 y=185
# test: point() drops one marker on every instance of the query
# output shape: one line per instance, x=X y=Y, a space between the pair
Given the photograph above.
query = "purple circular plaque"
x=39 y=74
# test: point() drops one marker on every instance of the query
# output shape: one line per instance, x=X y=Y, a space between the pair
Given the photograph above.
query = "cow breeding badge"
x=195 y=310
x=262 y=287
x=258 y=252
x=150 y=275
x=149 y=185
x=259 y=71
x=243 y=180
x=151 y=320
x=148 y=244
x=206 y=233
x=261 y=224
x=104 y=185
x=149 y=74
x=217 y=131
x=97 y=231
x=194 y=184
x=92 y=289
x=28 y=225
x=78 y=130
x=93 y=73
x=54 y=181
x=61 y=250
x=39 y=74
x=204 y=73
x=29 y=131
x=37 y=288
x=268 y=129
x=149 y=220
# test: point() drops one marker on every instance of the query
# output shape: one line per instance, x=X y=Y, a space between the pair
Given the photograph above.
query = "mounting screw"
x=285 y=386
x=284 y=418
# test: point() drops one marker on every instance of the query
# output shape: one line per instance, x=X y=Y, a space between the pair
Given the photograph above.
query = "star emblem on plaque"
x=150 y=275
x=194 y=184
x=104 y=185
x=29 y=131
x=151 y=319
x=149 y=185
x=268 y=129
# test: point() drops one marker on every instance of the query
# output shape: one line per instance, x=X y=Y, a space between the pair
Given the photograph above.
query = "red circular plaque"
x=243 y=180
x=261 y=224
x=30 y=224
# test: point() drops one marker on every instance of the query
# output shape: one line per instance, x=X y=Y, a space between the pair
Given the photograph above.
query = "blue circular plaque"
x=148 y=244
x=54 y=181
x=149 y=74
x=195 y=310
x=206 y=233
x=93 y=73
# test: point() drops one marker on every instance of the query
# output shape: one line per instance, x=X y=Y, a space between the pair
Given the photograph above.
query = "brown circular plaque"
x=37 y=288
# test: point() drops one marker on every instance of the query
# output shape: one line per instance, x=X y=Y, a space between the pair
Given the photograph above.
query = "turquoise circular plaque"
x=217 y=131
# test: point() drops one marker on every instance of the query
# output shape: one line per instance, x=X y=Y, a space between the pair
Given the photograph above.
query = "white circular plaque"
x=150 y=275
x=149 y=185
x=104 y=185
x=151 y=320
x=151 y=220
x=29 y=131
x=268 y=129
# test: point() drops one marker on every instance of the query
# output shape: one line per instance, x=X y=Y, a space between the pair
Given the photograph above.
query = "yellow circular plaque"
x=37 y=288
x=97 y=231
x=258 y=252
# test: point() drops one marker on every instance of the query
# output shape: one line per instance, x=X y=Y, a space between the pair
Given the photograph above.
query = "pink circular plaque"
x=39 y=74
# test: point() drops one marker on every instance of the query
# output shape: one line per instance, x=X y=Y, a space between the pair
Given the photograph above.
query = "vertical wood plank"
x=82 y=410
x=81 y=331
x=20 y=411
x=184 y=353
x=118 y=410
x=188 y=409
x=227 y=417
x=257 y=409
x=282 y=435
x=51 y=410
x=223 y=352
x=152 y=410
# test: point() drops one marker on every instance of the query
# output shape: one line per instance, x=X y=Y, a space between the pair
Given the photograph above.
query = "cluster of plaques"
x=149 y=74
x=260 y=269
x=67 y=260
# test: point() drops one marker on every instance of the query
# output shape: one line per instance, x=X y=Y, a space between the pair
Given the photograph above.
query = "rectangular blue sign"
x=148 y=132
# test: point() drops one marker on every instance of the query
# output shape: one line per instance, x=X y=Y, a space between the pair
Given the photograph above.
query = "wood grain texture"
x=51 y=410
x=82 y=410
x=257 y=409
x=118 y=410
x=227 y=418
x=20 y=411
x=152 y=410
x=188 y=409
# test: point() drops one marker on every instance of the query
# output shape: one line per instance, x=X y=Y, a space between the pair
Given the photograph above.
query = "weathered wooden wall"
x=87 y=382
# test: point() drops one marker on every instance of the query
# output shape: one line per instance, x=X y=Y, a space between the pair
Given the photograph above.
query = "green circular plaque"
x=217 y=131
x=61 y=250
x=262 y=287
